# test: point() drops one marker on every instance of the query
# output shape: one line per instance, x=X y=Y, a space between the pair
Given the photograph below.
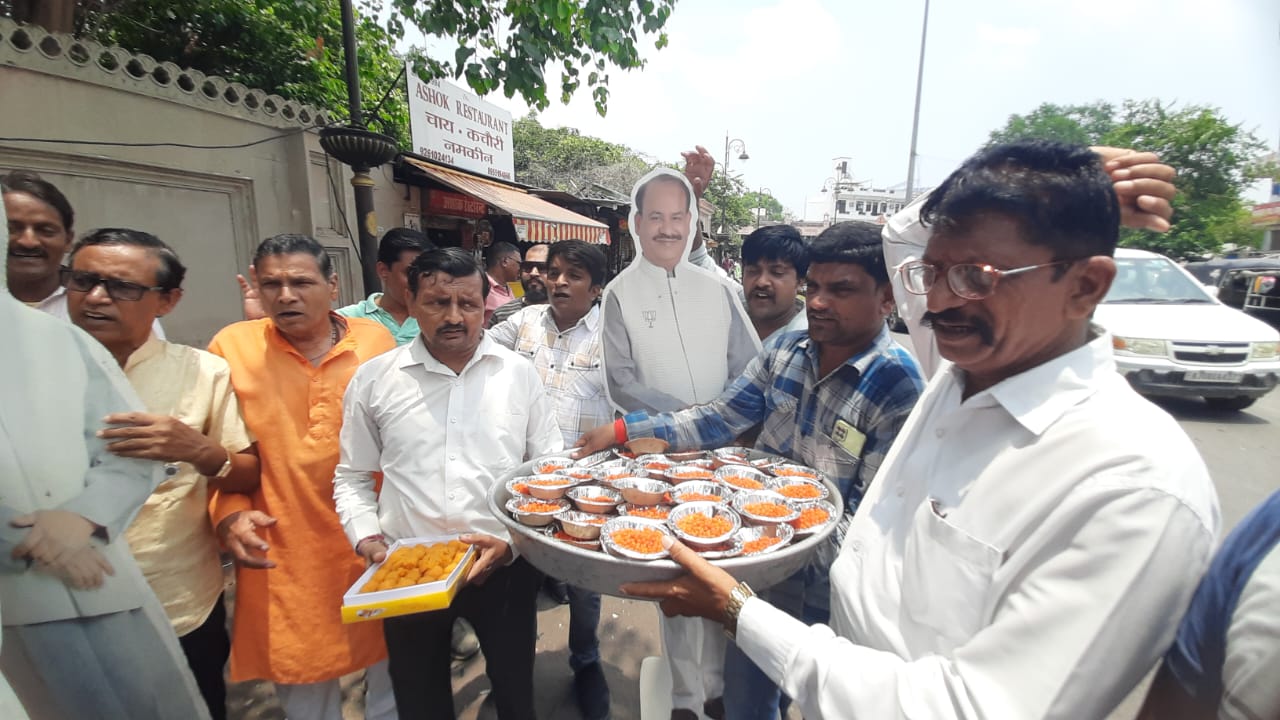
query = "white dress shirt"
x=569 y=362
x=1025 y=553
x=440 y=439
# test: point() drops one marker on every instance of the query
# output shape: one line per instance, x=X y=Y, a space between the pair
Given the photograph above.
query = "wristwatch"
x=738 y=597
x=225 y=470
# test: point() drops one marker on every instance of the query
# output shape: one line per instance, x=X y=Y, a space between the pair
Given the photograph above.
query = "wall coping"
x=31 y=47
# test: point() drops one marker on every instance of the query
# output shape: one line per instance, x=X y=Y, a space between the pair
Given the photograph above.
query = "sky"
x=801 y=82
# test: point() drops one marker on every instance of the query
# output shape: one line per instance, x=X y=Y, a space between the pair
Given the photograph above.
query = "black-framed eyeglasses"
x=84 y=282
x=971 y=281
x=529 y=266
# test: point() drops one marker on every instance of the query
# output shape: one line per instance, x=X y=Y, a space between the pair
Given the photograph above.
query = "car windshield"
x=1153 y=281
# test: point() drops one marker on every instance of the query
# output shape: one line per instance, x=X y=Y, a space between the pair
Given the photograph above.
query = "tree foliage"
x=1215 y=160
x=564 y=159
x=294 y=47
x=509 y=45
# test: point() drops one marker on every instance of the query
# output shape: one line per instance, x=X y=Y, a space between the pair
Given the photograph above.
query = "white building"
x=845 y=198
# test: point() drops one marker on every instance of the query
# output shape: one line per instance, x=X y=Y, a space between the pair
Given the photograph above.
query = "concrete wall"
x=212 y=205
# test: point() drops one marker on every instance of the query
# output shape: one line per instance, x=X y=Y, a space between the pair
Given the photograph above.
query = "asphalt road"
x=1240 y=449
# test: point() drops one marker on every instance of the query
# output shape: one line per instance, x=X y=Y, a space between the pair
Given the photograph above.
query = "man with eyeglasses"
x=1038 y=527
x=119 y=282
x=40 y=235
x=533 y=274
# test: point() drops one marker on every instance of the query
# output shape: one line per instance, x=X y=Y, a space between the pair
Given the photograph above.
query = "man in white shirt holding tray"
x=1038 y=528
x=443 y=417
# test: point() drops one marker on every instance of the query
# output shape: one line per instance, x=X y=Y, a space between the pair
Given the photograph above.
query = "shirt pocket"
x=780 y=423
x=585 y=378
x=946 y=578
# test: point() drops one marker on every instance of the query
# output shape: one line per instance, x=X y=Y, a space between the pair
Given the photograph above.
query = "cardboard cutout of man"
x=674 y=335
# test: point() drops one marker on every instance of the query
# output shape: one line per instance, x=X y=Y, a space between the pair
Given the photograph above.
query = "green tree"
x=564 y=159
x=1215 y=159
x=772 y=209
x=294 y=48
x=507 y=45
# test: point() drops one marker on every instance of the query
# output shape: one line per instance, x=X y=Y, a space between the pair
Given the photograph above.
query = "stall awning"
x=536 y=220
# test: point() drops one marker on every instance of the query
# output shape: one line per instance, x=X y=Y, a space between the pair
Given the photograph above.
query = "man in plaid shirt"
x=833 y=397
x=562 y=338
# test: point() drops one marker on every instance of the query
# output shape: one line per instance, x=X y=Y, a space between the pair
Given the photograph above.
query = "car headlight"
x=1264 y=350
x=1139 y=346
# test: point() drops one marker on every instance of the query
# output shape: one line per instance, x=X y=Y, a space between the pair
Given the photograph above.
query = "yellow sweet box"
x=359 y=606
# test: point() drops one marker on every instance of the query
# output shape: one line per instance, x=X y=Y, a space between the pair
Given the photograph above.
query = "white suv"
x=1172 y=337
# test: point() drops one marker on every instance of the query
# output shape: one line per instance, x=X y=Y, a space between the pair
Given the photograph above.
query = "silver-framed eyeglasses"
x=971 y=281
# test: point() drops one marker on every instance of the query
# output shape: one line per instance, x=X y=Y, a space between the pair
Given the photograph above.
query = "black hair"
x=580 y=254
x=29 y=183
x=853 y=242
x=499 y=250
x=667 y=178
x=171 y=272
x=397 y=241
x=777 y=242
x=1059 y=195
x=448 y=260
x=290 y=243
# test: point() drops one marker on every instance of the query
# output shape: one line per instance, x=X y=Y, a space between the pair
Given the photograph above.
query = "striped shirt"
x=568 y=362
x=841 y=424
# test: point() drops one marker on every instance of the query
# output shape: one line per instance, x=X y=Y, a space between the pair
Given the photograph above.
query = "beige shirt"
x=172 y=538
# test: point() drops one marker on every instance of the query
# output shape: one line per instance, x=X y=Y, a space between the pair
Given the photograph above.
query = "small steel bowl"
x=743 y=499
x=733 y=455
x=814 y=489
x=733 y=475
x=655 y=466
x=783 y=532
x=580 y=494
x=701 y=487
x=832 y=515
x=645 y=512
x=642 y=491
x=687 y=473
x=688 y=456
x=548 y=491
x=647 y=446
x=595 y=459
x=709 y=509
x=518 y=487
x=582 y=525
x=535 y=519
x=727 y=549
x=621 y=523
x=559 y=535
x=793 y=470
x=579 y=474
x=548 y=465
x=618 y=469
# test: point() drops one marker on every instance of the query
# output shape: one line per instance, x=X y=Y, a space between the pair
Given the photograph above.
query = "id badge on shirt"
x=848 y=437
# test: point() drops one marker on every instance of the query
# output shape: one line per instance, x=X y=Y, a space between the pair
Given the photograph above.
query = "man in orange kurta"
x=290 y=371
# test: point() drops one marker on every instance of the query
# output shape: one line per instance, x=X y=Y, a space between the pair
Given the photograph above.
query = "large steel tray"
x=603 y=573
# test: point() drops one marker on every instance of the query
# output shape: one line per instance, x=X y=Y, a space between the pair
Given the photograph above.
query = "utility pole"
x=915 y=118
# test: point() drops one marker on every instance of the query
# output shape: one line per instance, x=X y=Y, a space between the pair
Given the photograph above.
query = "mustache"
x=667 y=236
x=953 y=316
x=450 y=328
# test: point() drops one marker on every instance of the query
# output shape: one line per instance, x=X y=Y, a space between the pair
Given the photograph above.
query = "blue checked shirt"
x=841 y=424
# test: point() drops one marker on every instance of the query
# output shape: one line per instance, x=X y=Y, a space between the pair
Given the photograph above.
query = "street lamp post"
x=729 y=145
x=354 y=145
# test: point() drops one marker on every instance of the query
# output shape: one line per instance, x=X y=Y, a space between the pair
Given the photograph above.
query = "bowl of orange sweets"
x=703 y=516
x=418 y=575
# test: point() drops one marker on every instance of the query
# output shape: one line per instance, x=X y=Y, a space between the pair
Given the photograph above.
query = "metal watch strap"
x=225 y=470
x=738 y=597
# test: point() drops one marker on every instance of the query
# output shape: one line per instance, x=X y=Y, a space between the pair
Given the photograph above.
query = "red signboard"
x=441 y=202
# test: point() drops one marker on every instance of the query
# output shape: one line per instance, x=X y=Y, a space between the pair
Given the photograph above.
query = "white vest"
x=678 y=326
